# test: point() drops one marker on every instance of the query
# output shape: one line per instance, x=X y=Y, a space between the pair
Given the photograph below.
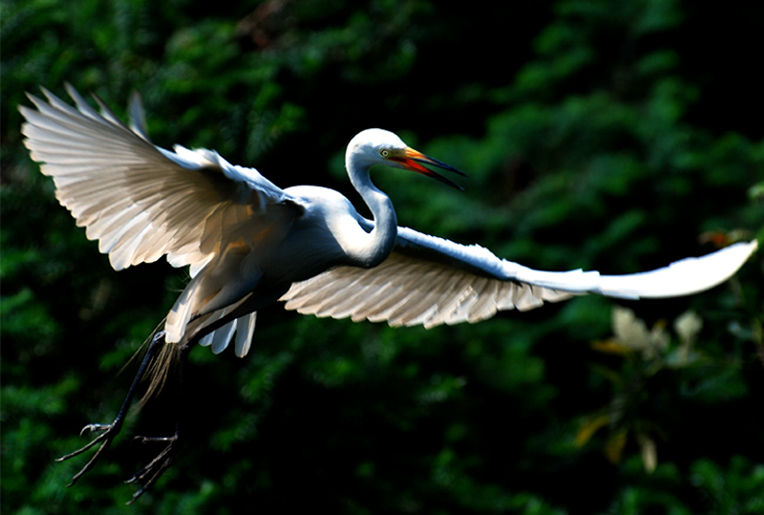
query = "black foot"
x=108 y=432
x=149 y=474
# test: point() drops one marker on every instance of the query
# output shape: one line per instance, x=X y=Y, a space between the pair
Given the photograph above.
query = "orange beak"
x=413 y=160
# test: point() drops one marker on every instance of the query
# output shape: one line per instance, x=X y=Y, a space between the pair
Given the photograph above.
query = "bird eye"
x=384 y=153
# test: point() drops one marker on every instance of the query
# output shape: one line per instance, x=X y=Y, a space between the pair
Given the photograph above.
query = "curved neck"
x=373 y=247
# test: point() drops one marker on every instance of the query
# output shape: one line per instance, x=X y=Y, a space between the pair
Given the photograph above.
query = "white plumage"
x=249 y=243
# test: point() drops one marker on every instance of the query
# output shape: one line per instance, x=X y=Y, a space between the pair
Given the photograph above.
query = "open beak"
x=414 y=160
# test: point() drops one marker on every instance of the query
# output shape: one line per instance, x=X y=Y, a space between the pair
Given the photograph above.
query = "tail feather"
x=217 y=289
x=244 y=334
x=223 y=336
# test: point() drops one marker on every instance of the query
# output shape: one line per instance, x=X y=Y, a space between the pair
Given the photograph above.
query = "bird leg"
x=149 y=474
x=109 y=431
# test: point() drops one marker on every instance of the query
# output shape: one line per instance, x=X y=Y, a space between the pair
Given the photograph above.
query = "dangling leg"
x=149 y=474
x=110 y=431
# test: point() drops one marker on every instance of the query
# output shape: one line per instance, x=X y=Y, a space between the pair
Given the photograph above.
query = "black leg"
x=149 y=474
x=110 y=431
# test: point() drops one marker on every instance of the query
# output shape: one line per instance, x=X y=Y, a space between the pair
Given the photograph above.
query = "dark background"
x=616 y=136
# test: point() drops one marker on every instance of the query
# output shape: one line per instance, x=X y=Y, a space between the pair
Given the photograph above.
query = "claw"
x=95 y=427
x=148 y=475
x=149 y=439
x=105 y=438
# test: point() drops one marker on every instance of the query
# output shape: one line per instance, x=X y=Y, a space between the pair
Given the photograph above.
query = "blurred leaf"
x=589 y=427
x=648 y=451
x=614 y=445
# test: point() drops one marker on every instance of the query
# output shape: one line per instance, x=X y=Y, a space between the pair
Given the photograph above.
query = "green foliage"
x=596 y=135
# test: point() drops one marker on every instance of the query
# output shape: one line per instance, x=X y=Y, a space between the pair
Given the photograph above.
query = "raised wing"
x=141 y=201
x=431 y=281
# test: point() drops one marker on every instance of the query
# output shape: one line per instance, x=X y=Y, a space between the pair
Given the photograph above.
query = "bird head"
x=377 y=146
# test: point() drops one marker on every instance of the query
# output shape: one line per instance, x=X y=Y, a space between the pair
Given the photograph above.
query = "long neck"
x=374 y=247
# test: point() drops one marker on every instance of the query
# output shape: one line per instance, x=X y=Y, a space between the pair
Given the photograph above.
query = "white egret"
x=249 y=243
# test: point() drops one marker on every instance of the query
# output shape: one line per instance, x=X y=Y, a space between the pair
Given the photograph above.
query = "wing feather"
x=140 y=201
x=430 y=281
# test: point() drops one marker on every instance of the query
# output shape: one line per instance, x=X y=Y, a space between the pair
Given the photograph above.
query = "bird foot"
x=149 y=474
x=108 y=433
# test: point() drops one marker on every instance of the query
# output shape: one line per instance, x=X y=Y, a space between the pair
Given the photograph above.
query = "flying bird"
x=249 y=243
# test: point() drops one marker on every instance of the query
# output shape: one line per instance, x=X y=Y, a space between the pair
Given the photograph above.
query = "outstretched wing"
x=138 y=200
x=431 y=281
